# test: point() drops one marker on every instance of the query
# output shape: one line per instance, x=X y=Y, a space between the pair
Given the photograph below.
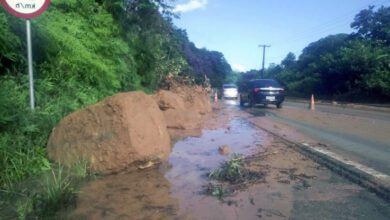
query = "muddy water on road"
x=295 y=187
x=175 y=189
x=193 y=158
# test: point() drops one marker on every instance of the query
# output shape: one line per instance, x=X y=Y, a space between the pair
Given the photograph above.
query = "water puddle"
x=173 y=190
x=193 y=158
x=294 y=188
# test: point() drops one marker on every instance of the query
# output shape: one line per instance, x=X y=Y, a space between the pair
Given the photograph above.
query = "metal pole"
x=30 y=64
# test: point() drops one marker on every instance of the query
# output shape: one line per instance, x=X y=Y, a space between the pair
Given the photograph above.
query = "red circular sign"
x=25 y=8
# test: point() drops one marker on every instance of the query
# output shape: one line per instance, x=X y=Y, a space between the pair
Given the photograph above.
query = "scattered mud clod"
x=224 y=150
x=269 y=213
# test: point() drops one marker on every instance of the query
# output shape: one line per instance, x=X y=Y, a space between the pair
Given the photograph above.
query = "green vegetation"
x=234 y=171
x=352 y=67
x=233 y=175
x=230 y=171
x=57 y=193
x=84 y=50
x=41 y=196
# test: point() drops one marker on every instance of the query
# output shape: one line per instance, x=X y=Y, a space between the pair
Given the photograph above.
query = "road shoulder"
x=365 y=176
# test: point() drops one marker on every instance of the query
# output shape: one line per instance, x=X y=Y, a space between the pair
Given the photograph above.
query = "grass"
x=233 y=175
x=230 y=171
x=58 y=191
x=18 y=162
x=80 y=168
x=23 y=156
x=44 y=196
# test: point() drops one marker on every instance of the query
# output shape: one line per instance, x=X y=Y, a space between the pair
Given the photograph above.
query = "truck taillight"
x=256 y=90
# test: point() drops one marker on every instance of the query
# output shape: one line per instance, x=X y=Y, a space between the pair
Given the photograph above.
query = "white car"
x=229 y=91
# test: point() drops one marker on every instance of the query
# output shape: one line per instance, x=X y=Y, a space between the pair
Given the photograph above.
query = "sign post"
x=27 y=9
x=30 y=65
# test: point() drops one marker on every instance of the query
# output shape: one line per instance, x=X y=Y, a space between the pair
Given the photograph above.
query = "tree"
x=289 y=61
x=203 y=62
x=11 y=58
x=373 y=25
x=85 y=50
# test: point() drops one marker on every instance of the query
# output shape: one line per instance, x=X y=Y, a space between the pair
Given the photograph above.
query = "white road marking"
x=361 y=167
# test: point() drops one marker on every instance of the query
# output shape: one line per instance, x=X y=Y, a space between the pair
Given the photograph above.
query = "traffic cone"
x=312 y=103
x=216 y=97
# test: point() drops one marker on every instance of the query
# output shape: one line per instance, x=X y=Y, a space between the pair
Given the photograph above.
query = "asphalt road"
x=359 y=135
x=370 y=114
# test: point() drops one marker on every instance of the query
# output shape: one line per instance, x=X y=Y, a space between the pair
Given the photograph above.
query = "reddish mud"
x=294 y=186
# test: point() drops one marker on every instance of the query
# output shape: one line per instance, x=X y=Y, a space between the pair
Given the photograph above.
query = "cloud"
x=190 y=6
x=238 y=67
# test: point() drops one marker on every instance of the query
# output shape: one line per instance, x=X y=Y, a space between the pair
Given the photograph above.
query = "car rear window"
x=229 y=86
x=265 y=83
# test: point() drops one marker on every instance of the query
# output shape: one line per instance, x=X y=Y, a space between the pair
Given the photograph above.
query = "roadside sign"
x=25 y=8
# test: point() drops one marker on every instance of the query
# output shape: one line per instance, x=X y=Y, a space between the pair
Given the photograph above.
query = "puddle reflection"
x=230 y=101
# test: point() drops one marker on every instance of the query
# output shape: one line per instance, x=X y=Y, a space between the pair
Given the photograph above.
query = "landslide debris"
x=184 y=108
x=177 y=114
x=128 y=129
x=112 y=134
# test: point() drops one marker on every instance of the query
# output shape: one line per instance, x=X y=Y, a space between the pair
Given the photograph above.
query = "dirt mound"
x=112 y=134
x=168 y=100
x=183 y=108
x=195 y=98
x=177 y=116
x=185 y=119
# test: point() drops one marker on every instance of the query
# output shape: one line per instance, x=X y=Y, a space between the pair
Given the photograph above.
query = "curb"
x=374 y=181
x=364 y=179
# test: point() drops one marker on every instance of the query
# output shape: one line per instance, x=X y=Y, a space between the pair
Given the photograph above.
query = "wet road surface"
x=374 y=115
x=175 y=190
x=359 y=135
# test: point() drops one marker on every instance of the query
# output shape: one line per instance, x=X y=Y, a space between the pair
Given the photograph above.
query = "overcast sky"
x=237 y=27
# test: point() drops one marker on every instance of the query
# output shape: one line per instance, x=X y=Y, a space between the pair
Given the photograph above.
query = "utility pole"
x=263 y=46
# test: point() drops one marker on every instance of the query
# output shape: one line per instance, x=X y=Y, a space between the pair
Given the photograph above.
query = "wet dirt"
x=294 y=186
x=135 y=195
x=193 y=158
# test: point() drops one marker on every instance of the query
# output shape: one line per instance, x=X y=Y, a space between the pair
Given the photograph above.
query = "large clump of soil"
x=183 y=107
x=113 y=134
x=195 y=98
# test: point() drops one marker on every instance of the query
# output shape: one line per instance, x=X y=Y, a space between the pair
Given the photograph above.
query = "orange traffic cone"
x=216 y=97
x=312 y=103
